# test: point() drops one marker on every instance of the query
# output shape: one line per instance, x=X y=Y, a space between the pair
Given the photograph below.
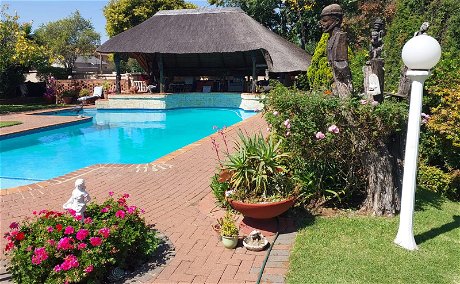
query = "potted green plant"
x=229 y=231
x=68 y=96
x=260 y=181
x=84 y=93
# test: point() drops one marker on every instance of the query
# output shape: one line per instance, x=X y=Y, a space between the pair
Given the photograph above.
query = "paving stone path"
x=175 y=194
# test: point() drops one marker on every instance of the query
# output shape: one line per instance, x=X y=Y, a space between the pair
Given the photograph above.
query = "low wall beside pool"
x=245 y=101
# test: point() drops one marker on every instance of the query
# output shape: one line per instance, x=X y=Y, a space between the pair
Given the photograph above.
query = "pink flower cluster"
x=105 y=232
x=120 y=214
x=365 y=102
x=69 y=230
x=70 y=262
x=39 y=256
x=82 y=234
x=333 y=129
x=95 y=241
x=287 y=124
x=425 y=117
x=65 y=243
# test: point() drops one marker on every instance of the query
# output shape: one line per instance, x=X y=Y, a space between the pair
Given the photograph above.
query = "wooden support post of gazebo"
x=160 y=67
x=117 y=59
x=254 y=72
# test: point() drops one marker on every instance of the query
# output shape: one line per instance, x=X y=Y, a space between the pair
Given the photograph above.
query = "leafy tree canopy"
x=17 y=48
x=68 y=38
x=125 y=14
x=18 y=51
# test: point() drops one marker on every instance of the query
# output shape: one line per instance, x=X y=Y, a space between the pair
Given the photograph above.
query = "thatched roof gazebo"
x=207 y=42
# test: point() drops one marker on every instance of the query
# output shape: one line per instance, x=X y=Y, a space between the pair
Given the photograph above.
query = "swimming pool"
x=113 y=136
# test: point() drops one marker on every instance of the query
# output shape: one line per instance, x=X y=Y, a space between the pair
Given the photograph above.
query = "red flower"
x=88 y=220
x=59 y=227
x=20 y=236
x=9 y=246
x=14 y=225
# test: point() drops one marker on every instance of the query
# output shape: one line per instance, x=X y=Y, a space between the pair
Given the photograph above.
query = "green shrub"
x=357 y=61
x=319 y=73
x=330 y=138
x=218 y=190
x=84 y=93
x=228 y=227
x=435 y=179
x=56 y=247
x=444 y=19
x=69 y=94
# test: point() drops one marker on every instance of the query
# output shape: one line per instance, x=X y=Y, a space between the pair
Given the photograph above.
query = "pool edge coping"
x=85 y=170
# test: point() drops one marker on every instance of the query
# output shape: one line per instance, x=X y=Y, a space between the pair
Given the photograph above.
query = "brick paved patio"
x=174 y=192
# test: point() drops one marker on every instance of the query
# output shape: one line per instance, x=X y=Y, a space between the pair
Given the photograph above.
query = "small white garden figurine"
x=79 y=198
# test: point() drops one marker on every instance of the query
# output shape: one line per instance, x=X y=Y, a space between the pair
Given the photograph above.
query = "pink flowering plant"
x=330 y=139
x=60 y=247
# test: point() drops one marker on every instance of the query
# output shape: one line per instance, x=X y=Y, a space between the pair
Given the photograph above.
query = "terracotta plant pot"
x=262 y=210
x=67 y=100
x=230 y=242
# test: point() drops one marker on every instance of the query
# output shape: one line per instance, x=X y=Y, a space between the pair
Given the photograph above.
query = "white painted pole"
x=405 y=236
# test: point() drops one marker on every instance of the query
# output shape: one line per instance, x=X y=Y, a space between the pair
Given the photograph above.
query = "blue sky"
x=40 y=11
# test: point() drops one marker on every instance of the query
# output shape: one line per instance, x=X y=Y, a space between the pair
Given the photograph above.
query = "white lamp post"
x=420 y=54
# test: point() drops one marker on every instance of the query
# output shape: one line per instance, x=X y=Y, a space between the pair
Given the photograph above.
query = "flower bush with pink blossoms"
x=60 y=247
x=329 y=138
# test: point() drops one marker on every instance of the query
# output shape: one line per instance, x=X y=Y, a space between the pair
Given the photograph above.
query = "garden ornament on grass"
x=77 y=202
x=337 y=49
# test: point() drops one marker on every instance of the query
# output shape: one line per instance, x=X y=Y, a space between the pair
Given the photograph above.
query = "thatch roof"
x=207 y=39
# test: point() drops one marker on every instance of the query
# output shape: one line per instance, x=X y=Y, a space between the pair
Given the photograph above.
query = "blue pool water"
x=118 y=136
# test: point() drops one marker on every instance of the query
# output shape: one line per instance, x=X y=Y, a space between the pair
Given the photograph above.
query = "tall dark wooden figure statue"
x=337 y=50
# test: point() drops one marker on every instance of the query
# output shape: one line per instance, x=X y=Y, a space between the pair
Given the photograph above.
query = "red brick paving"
x=174 y=192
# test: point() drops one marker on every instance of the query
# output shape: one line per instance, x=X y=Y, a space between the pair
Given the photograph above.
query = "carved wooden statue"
x=337 y=50
x=377 y=34
x=373 y=71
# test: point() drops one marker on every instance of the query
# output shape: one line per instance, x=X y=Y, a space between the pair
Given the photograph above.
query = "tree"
x=319 y=73
x=69 y=38
x=125 y=14
x=18 y=52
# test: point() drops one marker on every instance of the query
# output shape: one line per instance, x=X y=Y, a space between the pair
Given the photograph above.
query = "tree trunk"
x=384 y=181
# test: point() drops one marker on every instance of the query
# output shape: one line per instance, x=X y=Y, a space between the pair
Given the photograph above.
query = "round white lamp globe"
x=421 y=52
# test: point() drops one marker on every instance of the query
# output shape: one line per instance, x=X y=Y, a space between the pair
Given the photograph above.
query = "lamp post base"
x=406 y=241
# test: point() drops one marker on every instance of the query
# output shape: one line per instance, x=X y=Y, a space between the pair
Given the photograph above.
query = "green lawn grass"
x=9 y=123
x=26 y=107
x=359 y=249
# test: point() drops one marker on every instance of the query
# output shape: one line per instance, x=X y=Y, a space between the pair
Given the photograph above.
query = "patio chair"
x=141 y=86
x=97 y=94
